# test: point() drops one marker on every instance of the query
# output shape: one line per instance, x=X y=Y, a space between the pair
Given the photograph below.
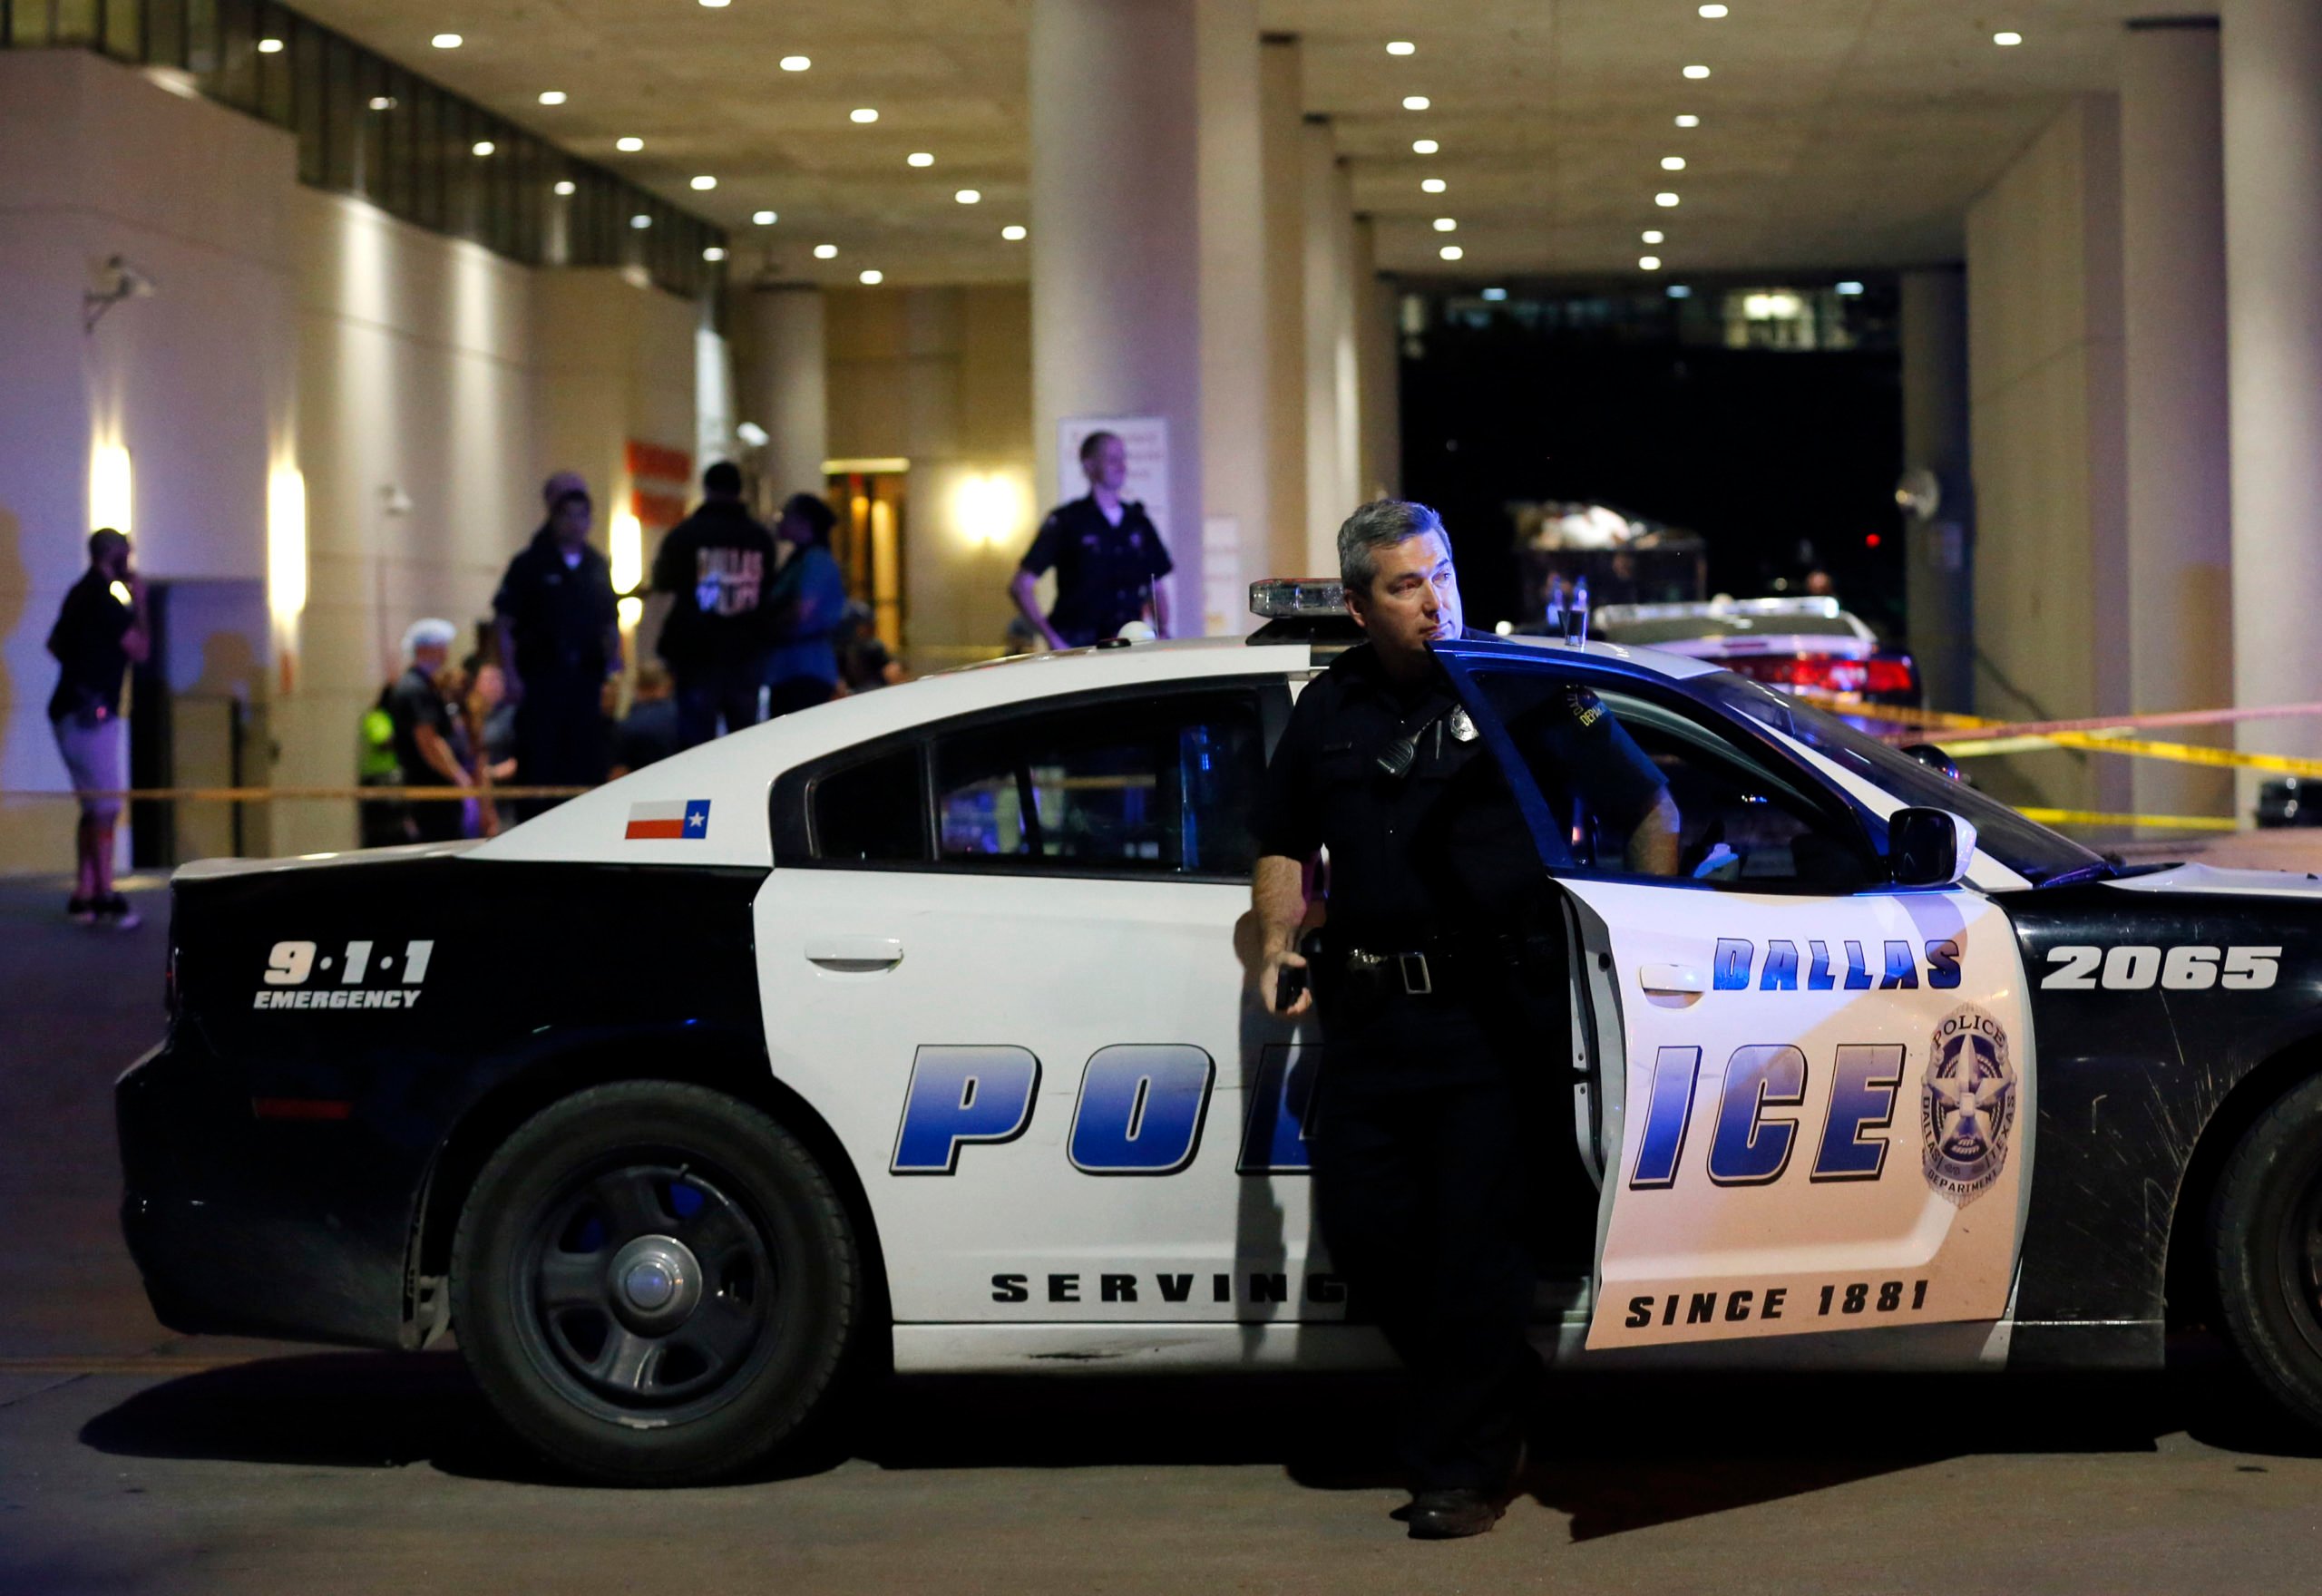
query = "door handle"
x=1673 y=978
x=854 y=955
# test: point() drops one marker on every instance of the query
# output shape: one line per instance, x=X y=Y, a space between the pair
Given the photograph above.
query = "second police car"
x=916 y=1032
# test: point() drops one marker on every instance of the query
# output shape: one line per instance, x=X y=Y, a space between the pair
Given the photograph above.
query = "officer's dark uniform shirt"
x=414 y=701
x=1440 y=856
x=1104 y=573
x=717 y=566
x=561 y=615
x=86 y=640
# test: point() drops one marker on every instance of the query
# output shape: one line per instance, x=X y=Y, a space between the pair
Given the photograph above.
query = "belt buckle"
x=1418 y=980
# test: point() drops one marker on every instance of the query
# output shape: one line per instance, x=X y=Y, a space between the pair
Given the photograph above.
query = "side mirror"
x=1928 y=847
x=1933 y=757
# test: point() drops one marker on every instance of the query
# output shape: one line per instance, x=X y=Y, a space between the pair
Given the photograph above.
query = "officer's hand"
x=1270 y=980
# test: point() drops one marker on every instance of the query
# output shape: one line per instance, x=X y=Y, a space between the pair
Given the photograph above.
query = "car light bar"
x=1297 y=598
x=1612 y=615
x=1830 y=673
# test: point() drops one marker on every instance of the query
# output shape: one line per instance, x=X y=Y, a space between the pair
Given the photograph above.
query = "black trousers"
x=1423 y=1194
x=563 y=739
x=706 y=693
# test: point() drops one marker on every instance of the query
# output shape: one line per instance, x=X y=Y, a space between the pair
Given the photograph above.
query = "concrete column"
x=2272 y=57
x=2180 y=482
x=1331 y=450
x=1282 y=163
x=1116 y=240
x=1235 y=327
x=1939 y=586
x=1377 y=362
x=788 y=392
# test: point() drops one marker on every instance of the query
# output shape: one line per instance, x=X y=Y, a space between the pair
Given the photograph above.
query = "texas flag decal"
x=675 y=819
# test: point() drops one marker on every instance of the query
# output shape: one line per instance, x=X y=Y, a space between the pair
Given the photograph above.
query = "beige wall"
x=2045 y=379
x=196 y=380
x=944 y=378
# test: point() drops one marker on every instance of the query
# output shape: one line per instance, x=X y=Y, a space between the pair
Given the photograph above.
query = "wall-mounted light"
x=112 y=491
x=989 y=509
x=627 y=550
x=286 y=543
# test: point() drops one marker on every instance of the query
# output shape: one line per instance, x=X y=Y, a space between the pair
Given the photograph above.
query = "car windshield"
x=2032 y=851
x=1678 y=628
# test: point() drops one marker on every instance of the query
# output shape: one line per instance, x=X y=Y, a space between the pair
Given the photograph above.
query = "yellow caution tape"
x=2138 y=747
x=2168 y=823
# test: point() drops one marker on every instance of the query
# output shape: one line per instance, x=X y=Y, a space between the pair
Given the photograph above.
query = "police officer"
x=1431 y=973
x=1106 y=554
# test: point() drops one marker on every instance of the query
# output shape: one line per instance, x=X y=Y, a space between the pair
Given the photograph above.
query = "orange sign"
x=660 y=478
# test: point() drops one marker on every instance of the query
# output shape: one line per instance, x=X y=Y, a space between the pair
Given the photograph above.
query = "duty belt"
x=1425 y=970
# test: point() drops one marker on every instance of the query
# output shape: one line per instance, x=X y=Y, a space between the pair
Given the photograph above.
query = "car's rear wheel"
x=654 y=1283
x=2266 y=1225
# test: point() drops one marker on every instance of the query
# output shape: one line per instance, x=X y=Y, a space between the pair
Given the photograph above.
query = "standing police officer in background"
x=1420 y=1133
x=1107 y=553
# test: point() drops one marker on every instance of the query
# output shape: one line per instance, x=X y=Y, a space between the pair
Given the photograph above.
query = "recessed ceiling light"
x=1415 y=102
x=1673 y=163
x=445 y=41
x=2006 y=39
x=565 y=186
x=1446 y=223
x=1664 y=199
x=704 y=182
x=1850 y=290
x=629 y=146
x=795 y=64
x=870 y=279
x=1450 y=252
x=969 y=196
x=640 y=221
x=1689 y=120
x=1680 y=291
x=825 y=251
x=919 y=158
x=718 y=4
x=481 y=147
x=1401 y=48
x=383 y=102
x=1432 y=185
x=1648 y=263
x=713 y=252
x=1424 y=146
x=764 y=219
x=862 y=113
x=1652 y=235
x=1697 y=72
x=269 y=47
x=1495 y=295
x=1711 y=12
x=1013 y=232
x=551 y=96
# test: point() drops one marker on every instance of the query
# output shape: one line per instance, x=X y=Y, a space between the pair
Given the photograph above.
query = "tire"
x=2266 y=1235
x=654 y=1283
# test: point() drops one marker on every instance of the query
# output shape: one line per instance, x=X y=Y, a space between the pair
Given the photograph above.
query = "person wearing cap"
x=422 y=730
x=1106 y=554
x=101 y=631
x=558 y=632
x=1434 y=956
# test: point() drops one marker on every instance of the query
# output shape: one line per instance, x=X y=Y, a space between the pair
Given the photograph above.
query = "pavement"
x=135 y=1460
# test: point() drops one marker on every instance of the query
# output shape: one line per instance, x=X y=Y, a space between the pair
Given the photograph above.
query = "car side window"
x=1740 y=823
x=1158 y=786
x=871 y=812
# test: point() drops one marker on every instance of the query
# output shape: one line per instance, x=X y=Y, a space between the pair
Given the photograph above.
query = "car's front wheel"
x=2265 y=1223
x=654 y=1283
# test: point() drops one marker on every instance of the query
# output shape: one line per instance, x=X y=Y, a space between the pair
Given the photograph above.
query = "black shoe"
x=1449 y=1515
x=114 y=910
x=83 y=910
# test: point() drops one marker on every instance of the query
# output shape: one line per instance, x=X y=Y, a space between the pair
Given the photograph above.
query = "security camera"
x=115 y=280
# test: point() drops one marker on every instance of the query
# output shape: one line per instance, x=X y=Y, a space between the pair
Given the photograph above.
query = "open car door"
x=1817 y=1088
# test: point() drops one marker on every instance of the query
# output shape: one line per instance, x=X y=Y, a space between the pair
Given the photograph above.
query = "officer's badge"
x=1967 y=1105
x=1462 y=729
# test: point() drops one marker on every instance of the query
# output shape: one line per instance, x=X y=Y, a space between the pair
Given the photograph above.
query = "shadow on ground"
x=1615 y=1453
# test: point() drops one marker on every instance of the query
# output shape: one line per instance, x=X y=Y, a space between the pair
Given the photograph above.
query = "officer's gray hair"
x=1381 y=524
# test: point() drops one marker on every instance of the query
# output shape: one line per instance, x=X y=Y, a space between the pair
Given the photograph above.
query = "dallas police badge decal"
x=1967 y=1105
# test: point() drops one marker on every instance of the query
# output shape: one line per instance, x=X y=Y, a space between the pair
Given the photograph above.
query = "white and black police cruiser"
x=914 y=1032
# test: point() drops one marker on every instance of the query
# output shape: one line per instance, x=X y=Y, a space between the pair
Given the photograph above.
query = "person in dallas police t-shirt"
x=715 y=565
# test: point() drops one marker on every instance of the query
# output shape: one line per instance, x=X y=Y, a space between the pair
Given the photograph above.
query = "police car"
x=916 y=1031
x=1803 y=643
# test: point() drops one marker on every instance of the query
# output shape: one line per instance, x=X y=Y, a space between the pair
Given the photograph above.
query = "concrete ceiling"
x=1834 y=133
